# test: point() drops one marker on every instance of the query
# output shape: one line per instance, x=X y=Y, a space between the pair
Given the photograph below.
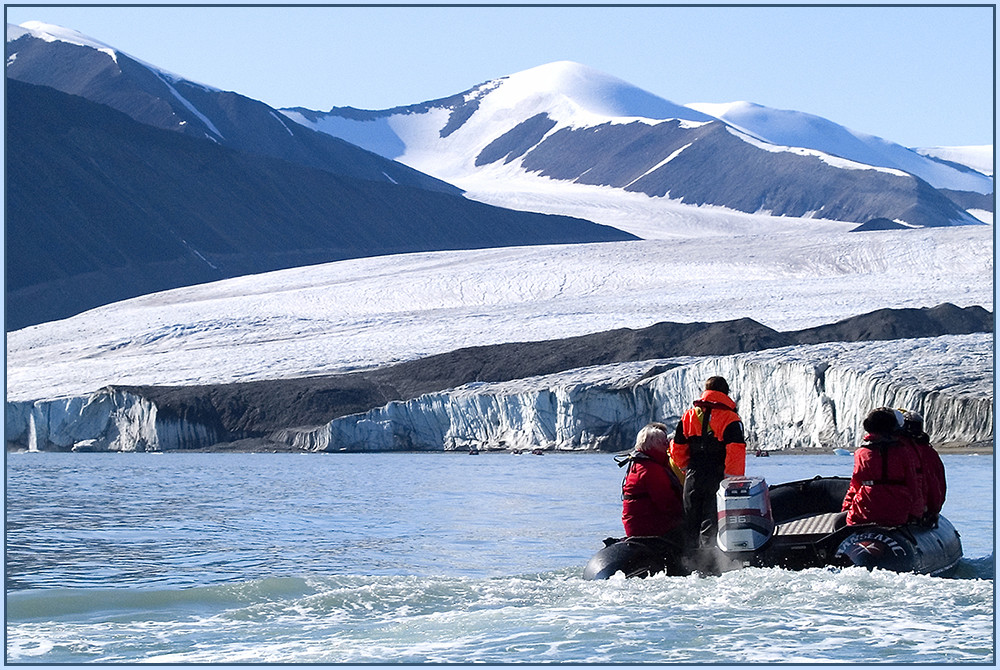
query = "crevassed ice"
x=810 y=396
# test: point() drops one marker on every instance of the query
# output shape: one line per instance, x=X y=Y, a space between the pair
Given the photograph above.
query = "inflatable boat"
x=795 y=525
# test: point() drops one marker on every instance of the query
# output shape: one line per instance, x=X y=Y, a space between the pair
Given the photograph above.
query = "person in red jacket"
x=708 y=446
x=931 y=467
x=651 y=492
x=884 y=488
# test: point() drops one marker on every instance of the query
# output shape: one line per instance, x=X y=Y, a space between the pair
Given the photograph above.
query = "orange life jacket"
x=710 y=434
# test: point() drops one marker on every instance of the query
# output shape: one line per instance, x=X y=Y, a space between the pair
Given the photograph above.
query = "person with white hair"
x=651 y=490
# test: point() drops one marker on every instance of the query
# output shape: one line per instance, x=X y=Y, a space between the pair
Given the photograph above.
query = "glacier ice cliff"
x=813 y=396
x=107 y=420
x=802 y=396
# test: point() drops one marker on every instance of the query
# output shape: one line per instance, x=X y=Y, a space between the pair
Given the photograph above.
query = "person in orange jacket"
x=885 y=488
x=708 y=446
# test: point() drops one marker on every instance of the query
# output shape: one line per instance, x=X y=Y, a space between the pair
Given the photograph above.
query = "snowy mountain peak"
x=978 y=158
x=53 y=33
x=591 y=90
x=781 y=126
x=48 y=32
x=720 y=109
x=790 y=128
x=567 y=127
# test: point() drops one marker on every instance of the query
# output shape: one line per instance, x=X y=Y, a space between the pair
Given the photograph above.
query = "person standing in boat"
x=931 y=468
x=708 y=446
x=651 y=490
x=885 y=488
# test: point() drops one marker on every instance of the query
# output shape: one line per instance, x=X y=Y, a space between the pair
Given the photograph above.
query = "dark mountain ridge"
x=101 y=208
x=255 y=409
x=712 y=166
x=156 y=99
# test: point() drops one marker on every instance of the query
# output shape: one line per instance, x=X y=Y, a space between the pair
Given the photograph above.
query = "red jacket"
x=651 y=498
x=932 y=474
x=884 y=488
x=724 y=423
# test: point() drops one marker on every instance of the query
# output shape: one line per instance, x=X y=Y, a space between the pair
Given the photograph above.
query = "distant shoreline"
x=264 y=446
x=982 y=448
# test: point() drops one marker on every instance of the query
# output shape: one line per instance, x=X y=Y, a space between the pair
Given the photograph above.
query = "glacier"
x=107 y=420
x=368 y=313
x=794 y=397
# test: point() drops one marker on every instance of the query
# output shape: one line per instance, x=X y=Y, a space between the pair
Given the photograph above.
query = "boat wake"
x=755 y=614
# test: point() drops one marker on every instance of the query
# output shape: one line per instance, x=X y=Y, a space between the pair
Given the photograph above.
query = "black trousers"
x=700 y=488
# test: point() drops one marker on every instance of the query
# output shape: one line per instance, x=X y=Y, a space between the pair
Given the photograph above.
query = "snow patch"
x=978 y=157
x=190 y=107
x=834 y=161
x=283 y=125
x=52 y=33
x=656 y=167
x=983 y=215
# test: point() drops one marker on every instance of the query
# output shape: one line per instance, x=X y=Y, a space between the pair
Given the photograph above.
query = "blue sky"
x=920 y=76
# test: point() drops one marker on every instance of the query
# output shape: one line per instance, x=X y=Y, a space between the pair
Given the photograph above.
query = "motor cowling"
x=744 y=513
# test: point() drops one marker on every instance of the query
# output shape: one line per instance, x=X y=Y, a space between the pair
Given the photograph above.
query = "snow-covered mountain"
x=979 y=158
x=798 y=129
x=110 y=201
x=66 y=378
x=564 y=124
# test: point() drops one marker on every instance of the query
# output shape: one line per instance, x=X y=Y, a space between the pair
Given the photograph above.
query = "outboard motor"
x=745 y=520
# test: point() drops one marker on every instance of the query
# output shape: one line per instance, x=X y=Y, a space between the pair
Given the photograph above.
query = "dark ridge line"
x=255 y=409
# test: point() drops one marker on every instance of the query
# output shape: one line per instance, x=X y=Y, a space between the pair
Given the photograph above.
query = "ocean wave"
x=983 y=567
x=58 y=604
x=752 y=615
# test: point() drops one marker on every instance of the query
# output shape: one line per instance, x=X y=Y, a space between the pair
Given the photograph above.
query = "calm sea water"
x=375 y=558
